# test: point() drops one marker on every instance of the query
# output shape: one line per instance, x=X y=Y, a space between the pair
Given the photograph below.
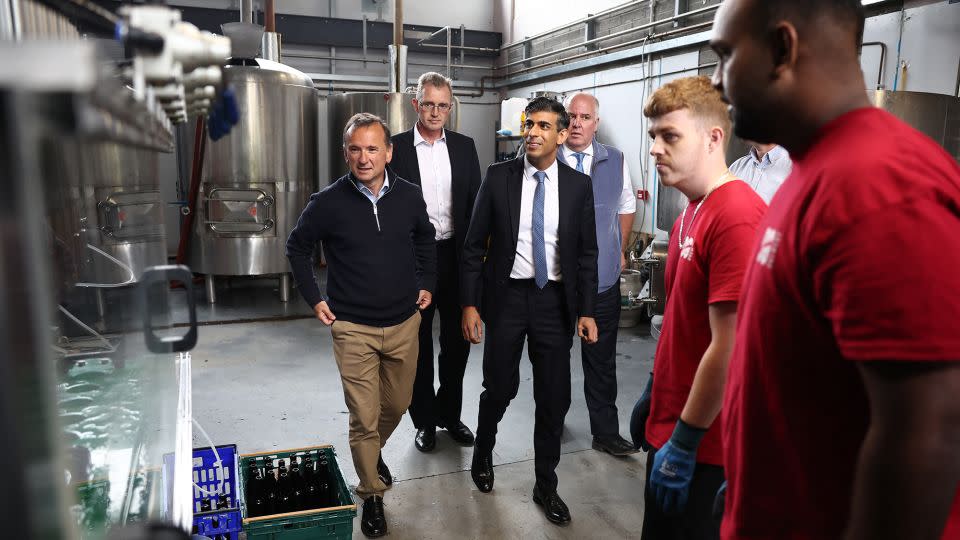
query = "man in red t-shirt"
x=706 y=259
x=841 y=417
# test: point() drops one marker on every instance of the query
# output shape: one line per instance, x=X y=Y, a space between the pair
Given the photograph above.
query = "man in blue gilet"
x=615 y=206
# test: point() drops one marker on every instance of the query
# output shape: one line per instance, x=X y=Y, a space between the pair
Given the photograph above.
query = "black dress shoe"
x=373 y=523
x=384 y=472
x=553 y=506
x=614 y=445
x=458 y=431
x=426 y=439
x=481 y=470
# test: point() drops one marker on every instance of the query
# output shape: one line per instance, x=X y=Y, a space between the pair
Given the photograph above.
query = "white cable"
x=130 y=280
x=94 y=333
x=217 y=463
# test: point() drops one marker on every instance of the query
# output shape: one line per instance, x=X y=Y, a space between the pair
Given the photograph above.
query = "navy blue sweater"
x=378 y=256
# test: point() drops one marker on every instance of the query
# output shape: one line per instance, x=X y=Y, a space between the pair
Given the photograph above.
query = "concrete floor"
x=274 y=385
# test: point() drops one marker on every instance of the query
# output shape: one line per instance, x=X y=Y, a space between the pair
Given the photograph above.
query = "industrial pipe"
x=269 y=16
x=612 y=47
x=398 y=52
x=246 y=11
x=186 y=225
x=652 y=24
x=883 y=56
x=270 y=42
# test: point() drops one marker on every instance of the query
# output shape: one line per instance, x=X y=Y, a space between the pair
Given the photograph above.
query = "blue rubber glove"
x=638 y=420
x=673 y=467
x=720 y=501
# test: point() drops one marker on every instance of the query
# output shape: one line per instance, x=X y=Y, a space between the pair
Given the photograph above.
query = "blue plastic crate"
x=226 y=522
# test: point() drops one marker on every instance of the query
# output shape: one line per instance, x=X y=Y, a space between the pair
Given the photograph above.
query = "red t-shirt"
x=858 y=259
x=709 y=269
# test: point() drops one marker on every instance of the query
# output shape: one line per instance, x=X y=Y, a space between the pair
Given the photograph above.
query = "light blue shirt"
x=366 y=191
x=764 y=175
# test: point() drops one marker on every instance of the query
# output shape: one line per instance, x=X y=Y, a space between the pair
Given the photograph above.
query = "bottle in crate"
x=328 y=488
x=256 y=491
x=297 y=486
x=311 y=485
x=284 y=489
x=271 y=489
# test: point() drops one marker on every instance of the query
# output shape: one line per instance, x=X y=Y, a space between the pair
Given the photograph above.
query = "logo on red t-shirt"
x=686 y=250
x=768 y=247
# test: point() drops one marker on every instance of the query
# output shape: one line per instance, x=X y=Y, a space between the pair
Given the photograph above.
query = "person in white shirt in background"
x=765 y=167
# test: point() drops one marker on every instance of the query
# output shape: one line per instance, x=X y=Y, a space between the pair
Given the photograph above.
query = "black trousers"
x=696 y=522
x=600 y=366
x=429 y=408
x=540 y=317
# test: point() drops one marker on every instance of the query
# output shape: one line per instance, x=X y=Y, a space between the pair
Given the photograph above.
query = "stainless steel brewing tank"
x=120 y=194
x=105 y=213
x=936 y=115
x=394 y=108
x=258 y=178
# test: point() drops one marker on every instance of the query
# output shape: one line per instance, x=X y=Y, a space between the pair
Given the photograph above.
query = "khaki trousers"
x=377 y=368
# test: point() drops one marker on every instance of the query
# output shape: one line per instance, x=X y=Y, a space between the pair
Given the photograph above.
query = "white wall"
x=930 y=47
x=621 y=115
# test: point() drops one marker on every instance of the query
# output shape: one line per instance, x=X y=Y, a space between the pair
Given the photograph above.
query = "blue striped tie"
x=579 y=156
x=539 y=247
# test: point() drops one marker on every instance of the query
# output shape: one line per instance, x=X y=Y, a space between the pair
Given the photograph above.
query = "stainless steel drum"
x=394 y=108
x=631 y=283
x=257 y=179
x=123 y=212
x=936 y=115
x=104 y=212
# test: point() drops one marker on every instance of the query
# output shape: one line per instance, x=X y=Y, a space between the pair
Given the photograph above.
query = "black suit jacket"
x=464 y=169
x=491 y=243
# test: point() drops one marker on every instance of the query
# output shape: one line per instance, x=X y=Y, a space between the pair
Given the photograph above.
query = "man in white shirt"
x=765 y=167
x=615 y=206
x=446 y=167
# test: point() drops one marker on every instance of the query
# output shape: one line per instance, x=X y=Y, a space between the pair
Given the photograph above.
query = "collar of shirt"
x=529 y=169
x=774 y=155
x=366 y=191
x=588 y=151
x=418 y=138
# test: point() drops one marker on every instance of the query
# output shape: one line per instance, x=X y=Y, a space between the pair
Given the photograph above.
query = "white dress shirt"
x=523 y=263
x=436 y=181
x=628 y=201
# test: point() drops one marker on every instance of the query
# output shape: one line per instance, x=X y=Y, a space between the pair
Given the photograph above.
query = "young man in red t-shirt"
x=707 y=255
x=842 y=416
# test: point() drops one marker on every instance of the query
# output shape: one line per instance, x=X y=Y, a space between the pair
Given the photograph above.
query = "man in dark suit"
x=445 y=165
x=529 y=270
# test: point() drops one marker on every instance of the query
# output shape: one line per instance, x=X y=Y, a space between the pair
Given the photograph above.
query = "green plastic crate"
x=335 y=522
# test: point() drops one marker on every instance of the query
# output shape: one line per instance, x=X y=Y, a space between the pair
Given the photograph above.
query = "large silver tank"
x=936 y=115
x=106 y=214
x=258 y=178
x=393 y=107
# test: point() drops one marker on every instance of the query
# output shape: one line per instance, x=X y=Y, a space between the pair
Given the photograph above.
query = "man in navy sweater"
x=381 y=270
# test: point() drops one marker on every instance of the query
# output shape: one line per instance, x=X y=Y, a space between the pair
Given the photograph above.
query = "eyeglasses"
x=442 y=107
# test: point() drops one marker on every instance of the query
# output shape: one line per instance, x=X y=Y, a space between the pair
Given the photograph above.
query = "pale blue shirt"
x=764 y=175
x=366 y=191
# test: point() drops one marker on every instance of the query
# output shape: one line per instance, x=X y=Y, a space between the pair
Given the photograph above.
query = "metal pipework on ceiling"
x=652 y=24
